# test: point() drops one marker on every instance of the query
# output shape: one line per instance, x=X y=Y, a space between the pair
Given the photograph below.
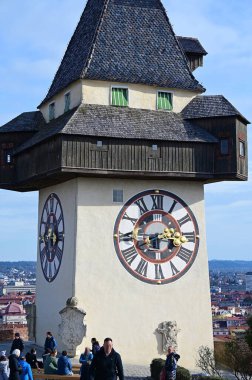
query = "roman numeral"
x=184 y=254
x=174 y=269
x=47 y=209
x=158 y=272
x=45 y=267
x=43 y=254
x=125 y=237
x=51 y=204
x=50 y=270
x=56 y=207
x=129 y=254
x=60 y=219
x=142 y=206
x=127 y=217
x=59 y=254
x=142 y=268
x=158 y=202
x=184 y=220
x=172 y=207
x=190 y=236
x=54 y=267
x=157 y=217
x=60 y=236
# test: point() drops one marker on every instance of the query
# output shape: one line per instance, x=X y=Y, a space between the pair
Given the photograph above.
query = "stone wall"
x=7 y=332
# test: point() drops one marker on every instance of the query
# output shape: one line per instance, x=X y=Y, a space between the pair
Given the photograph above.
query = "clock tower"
x=120 y=150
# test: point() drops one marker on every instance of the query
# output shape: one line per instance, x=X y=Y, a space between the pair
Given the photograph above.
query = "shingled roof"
x=124 y=123
x=191 y=45
x=25 y=122
x=211 y=106
x=128 y=41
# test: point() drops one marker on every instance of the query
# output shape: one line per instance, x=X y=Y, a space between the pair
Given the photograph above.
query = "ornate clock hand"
x=170 y=234
x=129 y=235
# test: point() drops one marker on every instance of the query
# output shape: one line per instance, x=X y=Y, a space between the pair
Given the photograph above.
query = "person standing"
x=107 y=363
x=95 y=346
x=26 y=369
x=85 y=360
x=171 y=364
x=64 y=364
x=15 y=369
x=17 y=343
x=4 y=366
x=50 y=342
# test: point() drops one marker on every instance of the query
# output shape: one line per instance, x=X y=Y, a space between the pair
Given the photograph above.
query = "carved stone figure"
x=169 y=331
x=72 y=329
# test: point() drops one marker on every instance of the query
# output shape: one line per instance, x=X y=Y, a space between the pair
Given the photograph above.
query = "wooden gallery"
x=120 y=150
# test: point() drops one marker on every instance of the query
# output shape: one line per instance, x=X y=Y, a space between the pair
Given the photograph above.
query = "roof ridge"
x=189 y=38
x=90 y=55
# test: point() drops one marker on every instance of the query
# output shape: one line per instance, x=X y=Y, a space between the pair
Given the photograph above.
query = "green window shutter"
x=120 y=97
x=164 y=101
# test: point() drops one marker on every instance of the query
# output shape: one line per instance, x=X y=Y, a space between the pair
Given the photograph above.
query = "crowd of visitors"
x=97 y=363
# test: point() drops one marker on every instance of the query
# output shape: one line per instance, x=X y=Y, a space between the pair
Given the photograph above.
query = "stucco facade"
x=99 y=92
x=117 y=304
x=59 y=100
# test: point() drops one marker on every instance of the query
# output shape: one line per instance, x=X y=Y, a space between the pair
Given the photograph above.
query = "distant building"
x=14 y=314
x=249 y=281
x=7 y=289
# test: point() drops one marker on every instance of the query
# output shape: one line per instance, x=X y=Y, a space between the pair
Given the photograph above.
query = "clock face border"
x=47 y=209
x=131 y=201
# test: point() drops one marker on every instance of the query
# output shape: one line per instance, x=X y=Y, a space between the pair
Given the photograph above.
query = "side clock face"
x=156 y=236
x=51 y=237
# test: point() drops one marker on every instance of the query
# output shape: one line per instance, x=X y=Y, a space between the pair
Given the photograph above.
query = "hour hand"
x=128 y=235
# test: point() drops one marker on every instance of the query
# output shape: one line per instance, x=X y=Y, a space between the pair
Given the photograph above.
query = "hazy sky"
x=33 y=38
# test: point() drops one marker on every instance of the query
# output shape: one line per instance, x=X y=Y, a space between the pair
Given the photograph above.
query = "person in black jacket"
x=15 y=369
x=107 y=363
x=17 y=343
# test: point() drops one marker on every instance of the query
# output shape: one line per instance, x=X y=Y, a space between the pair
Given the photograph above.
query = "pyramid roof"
x=128 y=41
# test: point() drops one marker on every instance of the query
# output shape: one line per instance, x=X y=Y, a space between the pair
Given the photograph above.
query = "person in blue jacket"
x=64 y=364
x=171 y=364
x=26 y=369
x=50 y=342
x=85 y=360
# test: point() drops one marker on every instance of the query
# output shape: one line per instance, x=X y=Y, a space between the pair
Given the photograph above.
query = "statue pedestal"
x=72 y=329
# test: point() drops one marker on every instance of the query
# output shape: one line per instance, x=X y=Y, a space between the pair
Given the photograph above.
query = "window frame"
x=243 y=144
x=67 y=94
x=228 y=146
x=111 y=95
x=114 y=195
x=50 y=107
x=157 y=98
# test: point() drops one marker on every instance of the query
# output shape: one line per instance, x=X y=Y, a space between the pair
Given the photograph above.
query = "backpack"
x=162 y=375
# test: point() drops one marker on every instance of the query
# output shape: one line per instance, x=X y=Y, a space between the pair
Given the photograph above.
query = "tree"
x=206 y=361
x=248 y=336
x=239 y=358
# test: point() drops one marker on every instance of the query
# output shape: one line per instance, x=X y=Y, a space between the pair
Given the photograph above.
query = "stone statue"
x=169 y=331
x=72 y=329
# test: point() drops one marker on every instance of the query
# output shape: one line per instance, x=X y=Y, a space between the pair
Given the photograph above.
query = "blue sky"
x=33 y=38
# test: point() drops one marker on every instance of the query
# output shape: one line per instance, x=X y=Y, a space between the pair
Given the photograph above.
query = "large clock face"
x=156 y=236
x=51 y=237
